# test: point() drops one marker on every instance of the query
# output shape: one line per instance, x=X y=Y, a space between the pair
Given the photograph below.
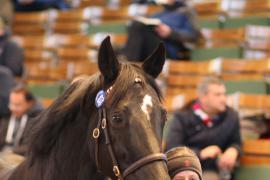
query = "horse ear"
x=107 y=61
x=153 y=64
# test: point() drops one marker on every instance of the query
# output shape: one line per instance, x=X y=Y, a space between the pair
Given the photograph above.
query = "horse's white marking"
x=147 y=101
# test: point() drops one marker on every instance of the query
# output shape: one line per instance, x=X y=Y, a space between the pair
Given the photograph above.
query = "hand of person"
x=210 y=152
x=163 y=30
x=228 y=159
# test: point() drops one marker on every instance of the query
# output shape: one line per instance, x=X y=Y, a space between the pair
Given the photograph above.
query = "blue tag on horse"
x=100 y=98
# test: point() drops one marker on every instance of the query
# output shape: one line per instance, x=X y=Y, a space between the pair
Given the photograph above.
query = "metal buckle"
x=96 y=133
x=103 y=123
x=109 y=90
x=116 y=171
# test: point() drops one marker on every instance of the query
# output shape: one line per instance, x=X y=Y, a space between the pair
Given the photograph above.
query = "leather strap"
x=115 y=169
x=102 y=124
x=143 y=161
x=96 y=134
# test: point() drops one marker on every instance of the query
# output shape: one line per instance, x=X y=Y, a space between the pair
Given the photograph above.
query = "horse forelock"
x=125 y=81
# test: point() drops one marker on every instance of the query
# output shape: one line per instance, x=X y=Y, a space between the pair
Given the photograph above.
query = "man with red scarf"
x=210 y=128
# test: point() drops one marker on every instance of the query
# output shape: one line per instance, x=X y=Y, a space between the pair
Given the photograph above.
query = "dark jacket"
x=22 y=146
x=7 y=82
x=143 y=39
x=11 y=55
x=185 y=32
x=39 y=5
x=188 y=129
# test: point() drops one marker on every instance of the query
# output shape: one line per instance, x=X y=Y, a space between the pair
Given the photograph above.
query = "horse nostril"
x=116 y=119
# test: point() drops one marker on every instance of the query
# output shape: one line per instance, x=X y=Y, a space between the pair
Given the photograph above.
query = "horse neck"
x=70 y=158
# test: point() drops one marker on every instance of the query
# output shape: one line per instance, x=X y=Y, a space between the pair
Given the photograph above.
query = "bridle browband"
x=102 y=125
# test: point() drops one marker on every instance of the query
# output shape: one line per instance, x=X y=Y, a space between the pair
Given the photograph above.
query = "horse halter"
x=102 y=124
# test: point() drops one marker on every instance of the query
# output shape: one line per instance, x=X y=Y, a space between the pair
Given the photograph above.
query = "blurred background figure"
x=210 y=128
x=11 y=55
x=14 y=131
x=266 y=129
x=6 y=11
x=39 y=5
x=184 y=164
x=177 y=28
x=7 y=82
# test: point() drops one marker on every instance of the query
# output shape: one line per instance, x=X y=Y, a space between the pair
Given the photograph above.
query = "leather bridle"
x=103 y=125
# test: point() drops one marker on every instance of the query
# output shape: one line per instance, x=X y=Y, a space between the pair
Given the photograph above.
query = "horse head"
x=128 y=133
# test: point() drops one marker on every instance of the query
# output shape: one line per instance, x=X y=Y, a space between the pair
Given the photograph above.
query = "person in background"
x=14 y=131
x=142 y=1
x=11 y=55
x=210 y=128
x=7 y=83
x=184 y=164
x=265 y=127
x=6 y=11
x=39 y=5
x=177 y=28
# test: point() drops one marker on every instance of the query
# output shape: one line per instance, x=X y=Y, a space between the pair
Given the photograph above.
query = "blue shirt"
x=180 y=24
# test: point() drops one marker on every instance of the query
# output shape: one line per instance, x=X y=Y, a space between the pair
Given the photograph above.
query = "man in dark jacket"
x=210 y=128
x=7 y=82
x=11 y=55
x=15 y=131
x=175 y=26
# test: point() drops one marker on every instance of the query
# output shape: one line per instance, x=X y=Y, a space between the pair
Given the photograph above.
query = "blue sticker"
x=100 y=98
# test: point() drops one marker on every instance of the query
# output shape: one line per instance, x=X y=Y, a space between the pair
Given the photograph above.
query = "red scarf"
x=197 y=109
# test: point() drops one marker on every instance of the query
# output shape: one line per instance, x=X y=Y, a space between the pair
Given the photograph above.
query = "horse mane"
x=63 y=111
x=80 y=98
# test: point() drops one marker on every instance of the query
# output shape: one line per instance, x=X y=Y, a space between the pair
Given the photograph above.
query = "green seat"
x=112 y=27
x=253 y=173
x=243 y=21
x=209 y=22
x=48 y=91
x=214 y=52
x=251 y=87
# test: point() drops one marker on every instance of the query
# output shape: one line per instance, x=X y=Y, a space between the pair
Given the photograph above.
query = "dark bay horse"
x=111 y=122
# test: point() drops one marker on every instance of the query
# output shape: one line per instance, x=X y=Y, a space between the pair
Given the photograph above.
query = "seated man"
x=14 y=131
x=183 y=164
x=210 y=128
x=177 y=29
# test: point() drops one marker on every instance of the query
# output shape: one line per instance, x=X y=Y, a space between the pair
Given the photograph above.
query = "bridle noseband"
x=102 y=125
